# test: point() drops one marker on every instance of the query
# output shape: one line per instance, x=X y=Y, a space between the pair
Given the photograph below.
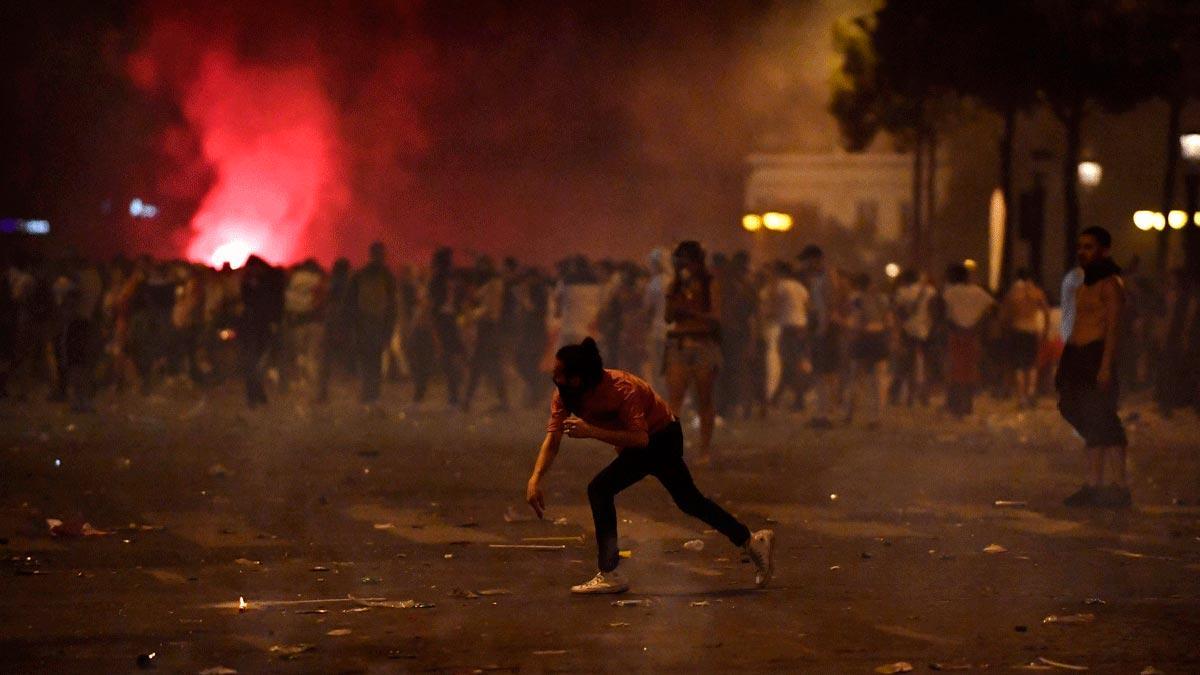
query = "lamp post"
x=1032 y=214
x=1189 y=150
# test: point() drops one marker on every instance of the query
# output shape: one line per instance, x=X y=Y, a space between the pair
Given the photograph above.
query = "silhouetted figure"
x=444 y=302
x=487 y=358
x=335 y=327
x=262 y=310
x=373 y=292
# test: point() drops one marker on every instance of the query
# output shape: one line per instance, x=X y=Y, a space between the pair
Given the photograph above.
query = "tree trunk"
x=1072 y=123
x=1170 y=175
x=1006 y=187
x=930 y=192
x=917 y=220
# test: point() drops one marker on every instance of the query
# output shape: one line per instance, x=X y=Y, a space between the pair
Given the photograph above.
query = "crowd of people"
x=741 y=339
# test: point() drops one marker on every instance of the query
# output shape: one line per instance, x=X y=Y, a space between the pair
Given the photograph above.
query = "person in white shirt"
x=787 y=308
x=966 y=305
x=913 y=305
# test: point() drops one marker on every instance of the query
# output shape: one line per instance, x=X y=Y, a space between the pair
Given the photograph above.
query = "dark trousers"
x=487 y=361
x=422 y=353
x=663 y=459
x=254 y=342
x=1092 y=411
x=450 y=352
x=791 y=361
x=371 y=339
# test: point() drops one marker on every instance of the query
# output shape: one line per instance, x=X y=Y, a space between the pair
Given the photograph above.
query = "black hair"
x=1100 y=234
x=582 y=361
x=957 y=274
x=691 y=250
x=1023 y=273
x=811 y=252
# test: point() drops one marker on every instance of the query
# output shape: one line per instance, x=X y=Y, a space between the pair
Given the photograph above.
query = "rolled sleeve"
x=558 y=415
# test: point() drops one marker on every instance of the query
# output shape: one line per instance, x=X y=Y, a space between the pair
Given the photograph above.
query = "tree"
x=1091 y=54
x=889 y=80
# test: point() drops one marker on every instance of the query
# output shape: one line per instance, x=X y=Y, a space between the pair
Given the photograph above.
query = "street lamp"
x=1090 y=173
x=777 y=222
x=1189 y=147
x=752 y=222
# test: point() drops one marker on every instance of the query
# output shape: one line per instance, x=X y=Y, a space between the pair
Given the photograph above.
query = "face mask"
x=572 y=397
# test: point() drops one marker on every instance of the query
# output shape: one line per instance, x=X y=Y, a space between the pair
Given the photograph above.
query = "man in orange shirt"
x=620 y=409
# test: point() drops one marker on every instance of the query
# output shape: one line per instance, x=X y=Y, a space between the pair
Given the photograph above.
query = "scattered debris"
x=1060 y=664
x=550 y=652
x=897 y=667
x=625 y=554
x=59 y=528
x=391 y=604
x=246 y=562
x=700 y=603
x=950 y=666
x=530 y=547
x=338 y=632
x=1094 y=601
x=1009 y=504
x=495 y=591
x=289 y=652
x=994 y=548
x=1070 y=618
x=318 y=568
x=865 y=556
x=313 y=611
x=218 y=670
x=241 y=605
x=640 y=602
x=834 y=568
x=619 y=624
x=833 y=497
x=1021 y=629
x=146 y=661
x=561 y=522
x=463 y=593
x=1132 y=554
x=370 y=581
x=577 y=539
x=385 y=526
x=1151 y=670
x=693 y=545
x=448 y=556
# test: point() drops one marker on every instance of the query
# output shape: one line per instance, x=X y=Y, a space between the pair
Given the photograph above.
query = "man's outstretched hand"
x=533 y=495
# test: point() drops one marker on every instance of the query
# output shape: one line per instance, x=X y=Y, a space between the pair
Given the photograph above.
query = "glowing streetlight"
x=1090 y=173
x=970 y=264
x=777 y=222
x=1177 y=219
x=1146 y=220
x=752 y=222
x=892 y=270
x=1189 y=147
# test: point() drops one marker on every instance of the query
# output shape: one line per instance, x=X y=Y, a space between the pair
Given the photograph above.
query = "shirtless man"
x=1026 y=317
x=1086 y=379
x=621 y=410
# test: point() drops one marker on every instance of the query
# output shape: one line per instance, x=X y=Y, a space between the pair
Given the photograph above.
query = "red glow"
x=269 y=134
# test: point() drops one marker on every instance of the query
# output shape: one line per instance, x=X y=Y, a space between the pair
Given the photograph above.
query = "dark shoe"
x=1084 y=496
x=1114 y=497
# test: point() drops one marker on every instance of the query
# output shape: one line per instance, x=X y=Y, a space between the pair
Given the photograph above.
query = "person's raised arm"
x=545 y=458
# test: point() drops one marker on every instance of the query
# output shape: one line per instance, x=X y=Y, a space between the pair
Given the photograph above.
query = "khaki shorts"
x=696 y=354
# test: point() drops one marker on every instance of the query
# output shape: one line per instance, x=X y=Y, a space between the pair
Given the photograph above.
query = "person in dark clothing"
x=151 y=331
x=621 y=410
x=487 y=359
x=444 y=303
x=373 y=294
x=335 y=328
x=739 y=304
x=531 y=297
x=262 y=310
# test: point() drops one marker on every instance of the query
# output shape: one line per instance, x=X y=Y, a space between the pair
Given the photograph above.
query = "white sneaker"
x=603 y=582
x=761 y=549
